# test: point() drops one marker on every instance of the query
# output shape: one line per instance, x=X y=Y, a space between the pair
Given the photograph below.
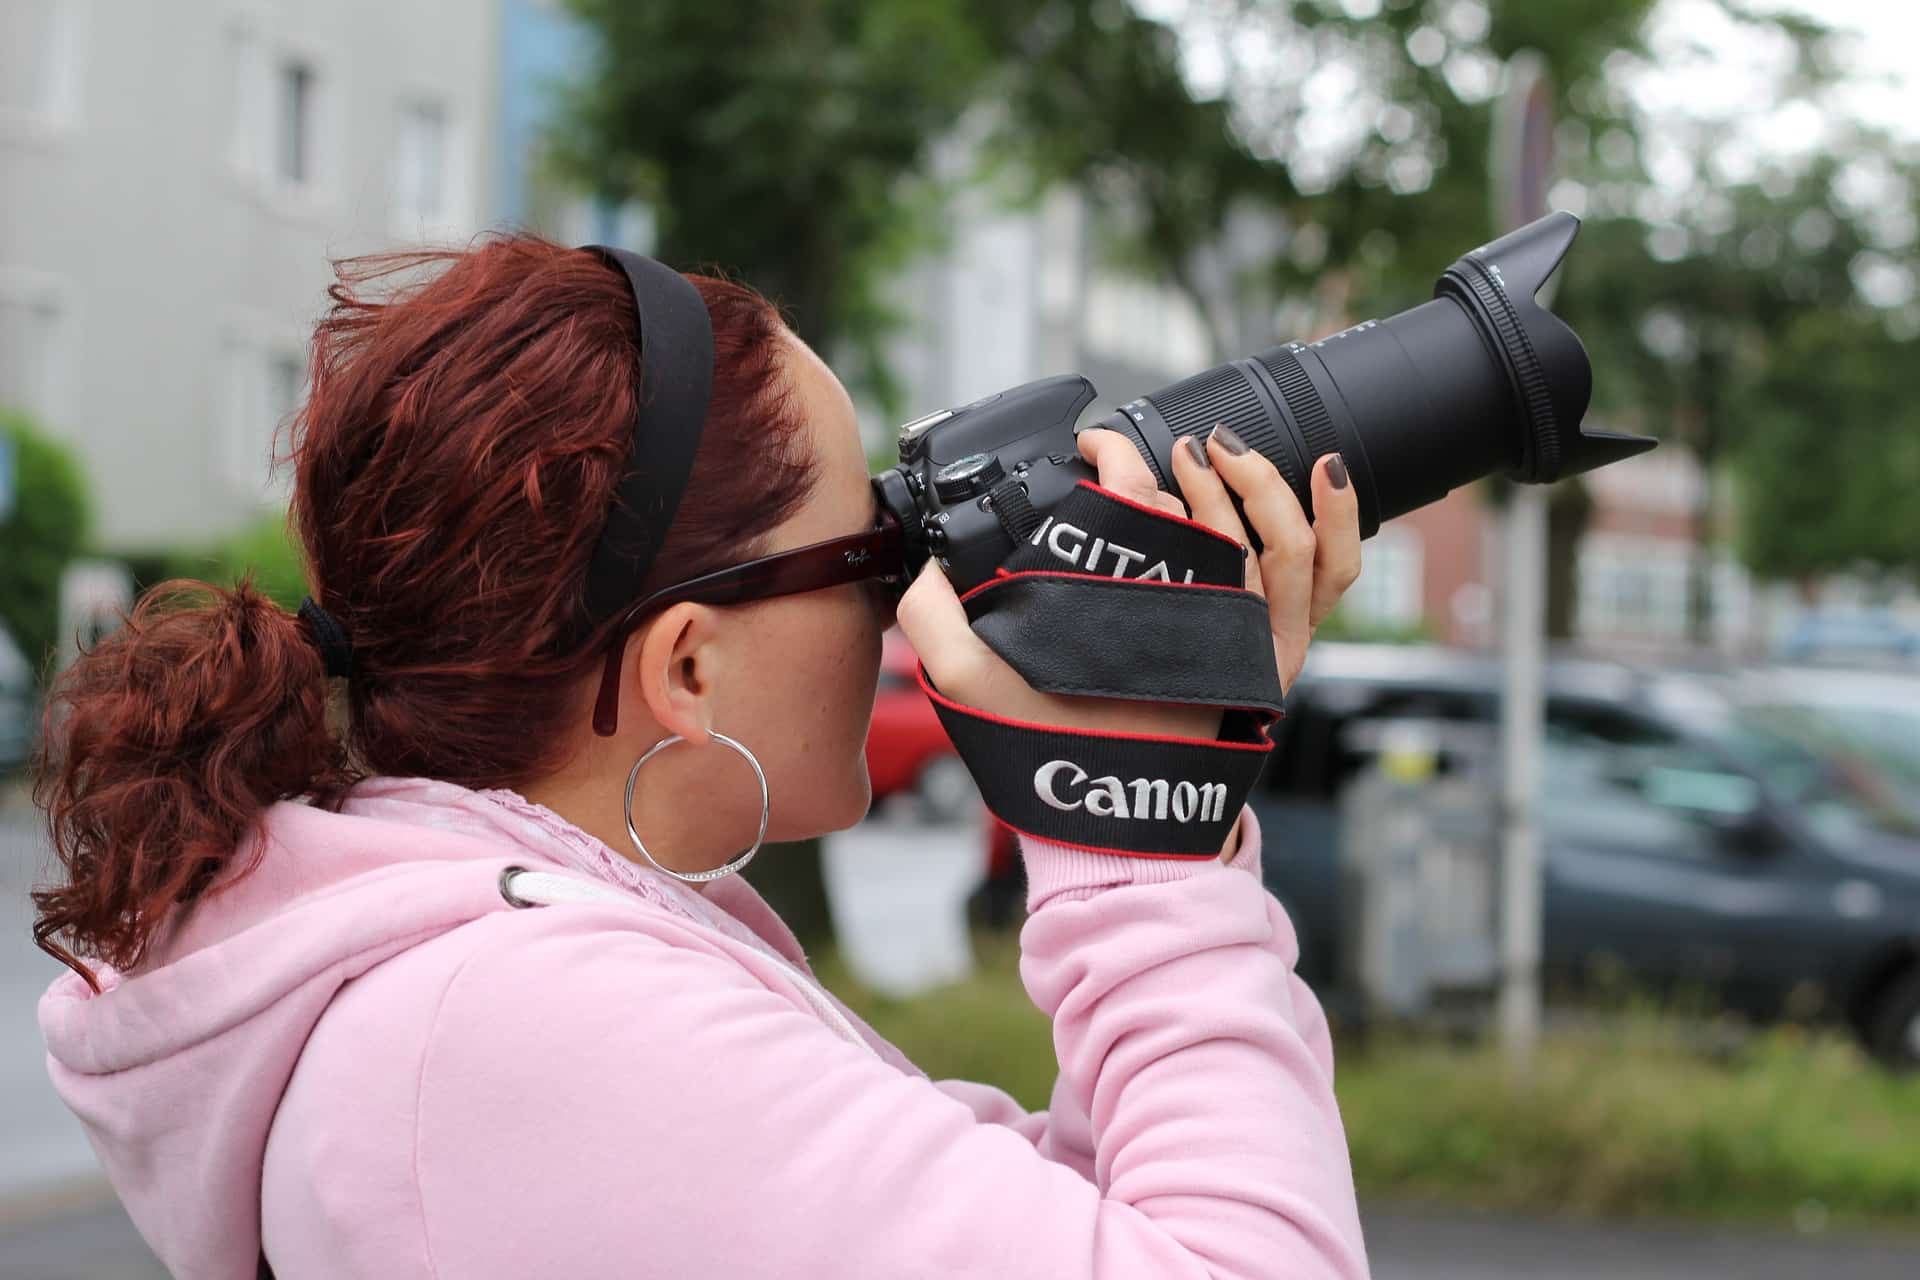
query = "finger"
x=1336 y=536
x=1207 y=495
x=1123 y=470
x=958 y=662
x=935 y=624
x=1287 y=544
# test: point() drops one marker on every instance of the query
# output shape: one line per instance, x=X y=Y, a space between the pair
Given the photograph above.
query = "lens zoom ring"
x=1196 y=403
x=1226 y=395
x=1541 y=436
x=1309 y=410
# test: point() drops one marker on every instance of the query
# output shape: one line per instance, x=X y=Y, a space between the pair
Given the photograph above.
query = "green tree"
x=1709 y=245
x=1696 y=313
x=785 y=142
x=1830 y=459
x=48 y=527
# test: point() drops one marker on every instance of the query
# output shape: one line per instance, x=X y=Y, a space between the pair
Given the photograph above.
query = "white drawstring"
x=523 y=888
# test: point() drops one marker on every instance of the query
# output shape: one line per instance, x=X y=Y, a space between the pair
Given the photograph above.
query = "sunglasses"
x=874 y=555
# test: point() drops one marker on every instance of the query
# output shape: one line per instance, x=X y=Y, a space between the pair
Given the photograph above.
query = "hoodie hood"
x=176 y=1070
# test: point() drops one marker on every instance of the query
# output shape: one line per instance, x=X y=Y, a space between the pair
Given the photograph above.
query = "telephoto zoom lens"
x=1481 y=380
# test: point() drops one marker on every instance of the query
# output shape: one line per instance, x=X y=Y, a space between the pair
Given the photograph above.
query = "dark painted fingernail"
x=1337 y=471
x=1229 y=439
x=1197 y=450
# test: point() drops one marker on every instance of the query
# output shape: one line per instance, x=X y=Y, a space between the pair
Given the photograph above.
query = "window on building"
x=1632 y=586
x=420 y=181
x=294 y=111
x=276 y=106
x=39 y=46
x=286 y=371
x=27 y=326
x=1390 y=590
x=264 y=385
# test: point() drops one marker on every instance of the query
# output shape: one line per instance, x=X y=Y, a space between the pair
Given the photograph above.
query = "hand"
x=1302 y=571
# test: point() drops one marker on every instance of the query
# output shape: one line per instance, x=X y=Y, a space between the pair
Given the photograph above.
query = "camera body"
x=951 y=462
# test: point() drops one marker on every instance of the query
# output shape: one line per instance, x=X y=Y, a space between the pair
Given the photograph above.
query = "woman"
x=449 y=985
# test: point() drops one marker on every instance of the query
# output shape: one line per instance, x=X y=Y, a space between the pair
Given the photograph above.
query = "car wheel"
x=1893 y=1028
x=946 y=791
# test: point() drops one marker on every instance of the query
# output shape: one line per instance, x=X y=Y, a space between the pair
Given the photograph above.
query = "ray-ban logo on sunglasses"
x=859 y=557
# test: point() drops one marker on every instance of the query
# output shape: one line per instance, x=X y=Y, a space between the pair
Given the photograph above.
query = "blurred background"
x=949 y=197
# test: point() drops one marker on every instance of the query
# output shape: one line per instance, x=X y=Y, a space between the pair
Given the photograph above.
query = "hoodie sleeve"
x=598 y=1102
x=1063 y=1133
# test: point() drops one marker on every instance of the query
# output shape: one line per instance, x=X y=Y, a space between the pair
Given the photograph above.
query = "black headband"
x=676 y=378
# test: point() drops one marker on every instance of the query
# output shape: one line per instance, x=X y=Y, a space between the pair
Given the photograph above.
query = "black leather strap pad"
x=1115 y=638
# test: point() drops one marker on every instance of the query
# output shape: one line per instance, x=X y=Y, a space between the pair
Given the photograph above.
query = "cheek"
x=827 y=676
x=856 y=673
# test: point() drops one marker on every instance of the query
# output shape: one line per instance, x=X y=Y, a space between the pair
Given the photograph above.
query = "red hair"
x=470 y=415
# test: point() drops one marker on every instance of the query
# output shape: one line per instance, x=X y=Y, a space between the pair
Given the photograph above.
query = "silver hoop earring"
x=718 y=873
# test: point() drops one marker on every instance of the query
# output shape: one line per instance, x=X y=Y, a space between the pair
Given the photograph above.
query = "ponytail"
x=160 y=747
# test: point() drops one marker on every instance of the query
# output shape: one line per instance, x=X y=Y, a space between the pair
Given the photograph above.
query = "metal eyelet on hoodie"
x=506 y=888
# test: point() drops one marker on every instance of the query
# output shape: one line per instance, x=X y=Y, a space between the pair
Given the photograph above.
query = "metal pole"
x=1521 y=706
x=1522 y=168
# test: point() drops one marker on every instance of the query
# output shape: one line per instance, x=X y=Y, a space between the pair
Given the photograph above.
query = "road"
x=98 y=1243
x=57 y=1222
x=44 y=1143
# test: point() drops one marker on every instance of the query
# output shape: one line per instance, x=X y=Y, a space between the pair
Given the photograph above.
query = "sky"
x=1708 y=73
x=1888 y=91
x=1705 y=64
x=1708 y=64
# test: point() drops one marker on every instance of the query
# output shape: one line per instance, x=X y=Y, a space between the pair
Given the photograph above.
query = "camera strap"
x=1109 y=598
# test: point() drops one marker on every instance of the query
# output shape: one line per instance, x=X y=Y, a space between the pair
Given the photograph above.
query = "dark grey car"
x=1685 y=847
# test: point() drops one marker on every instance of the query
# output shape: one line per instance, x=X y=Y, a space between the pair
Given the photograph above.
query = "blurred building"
x=175 y=179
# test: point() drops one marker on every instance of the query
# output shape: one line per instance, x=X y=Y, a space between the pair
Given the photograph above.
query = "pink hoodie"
x=364 y=1058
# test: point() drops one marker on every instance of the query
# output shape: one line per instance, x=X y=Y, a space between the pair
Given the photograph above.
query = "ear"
x=672 y=665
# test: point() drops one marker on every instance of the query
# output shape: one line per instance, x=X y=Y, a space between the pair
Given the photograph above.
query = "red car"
x=907 y=749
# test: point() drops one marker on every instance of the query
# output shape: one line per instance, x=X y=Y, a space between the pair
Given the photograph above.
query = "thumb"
x=935 y=624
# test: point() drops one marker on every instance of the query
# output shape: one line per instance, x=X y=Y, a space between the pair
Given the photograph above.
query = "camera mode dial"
x=967 y=477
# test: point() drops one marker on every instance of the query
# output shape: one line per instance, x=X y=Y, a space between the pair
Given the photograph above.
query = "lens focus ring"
x=1542 y=441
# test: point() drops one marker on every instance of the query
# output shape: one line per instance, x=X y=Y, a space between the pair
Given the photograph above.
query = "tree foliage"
x=1830 y=460
x=47 y=528
x=786 y=142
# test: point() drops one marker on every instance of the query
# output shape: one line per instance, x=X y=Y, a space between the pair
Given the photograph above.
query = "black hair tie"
x=336 y=650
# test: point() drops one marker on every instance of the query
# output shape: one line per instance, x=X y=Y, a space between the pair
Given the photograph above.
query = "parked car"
x=19 y=707
x=908 y=750
x=1686 y=844
x=1850 y=636
x=1868 y=720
